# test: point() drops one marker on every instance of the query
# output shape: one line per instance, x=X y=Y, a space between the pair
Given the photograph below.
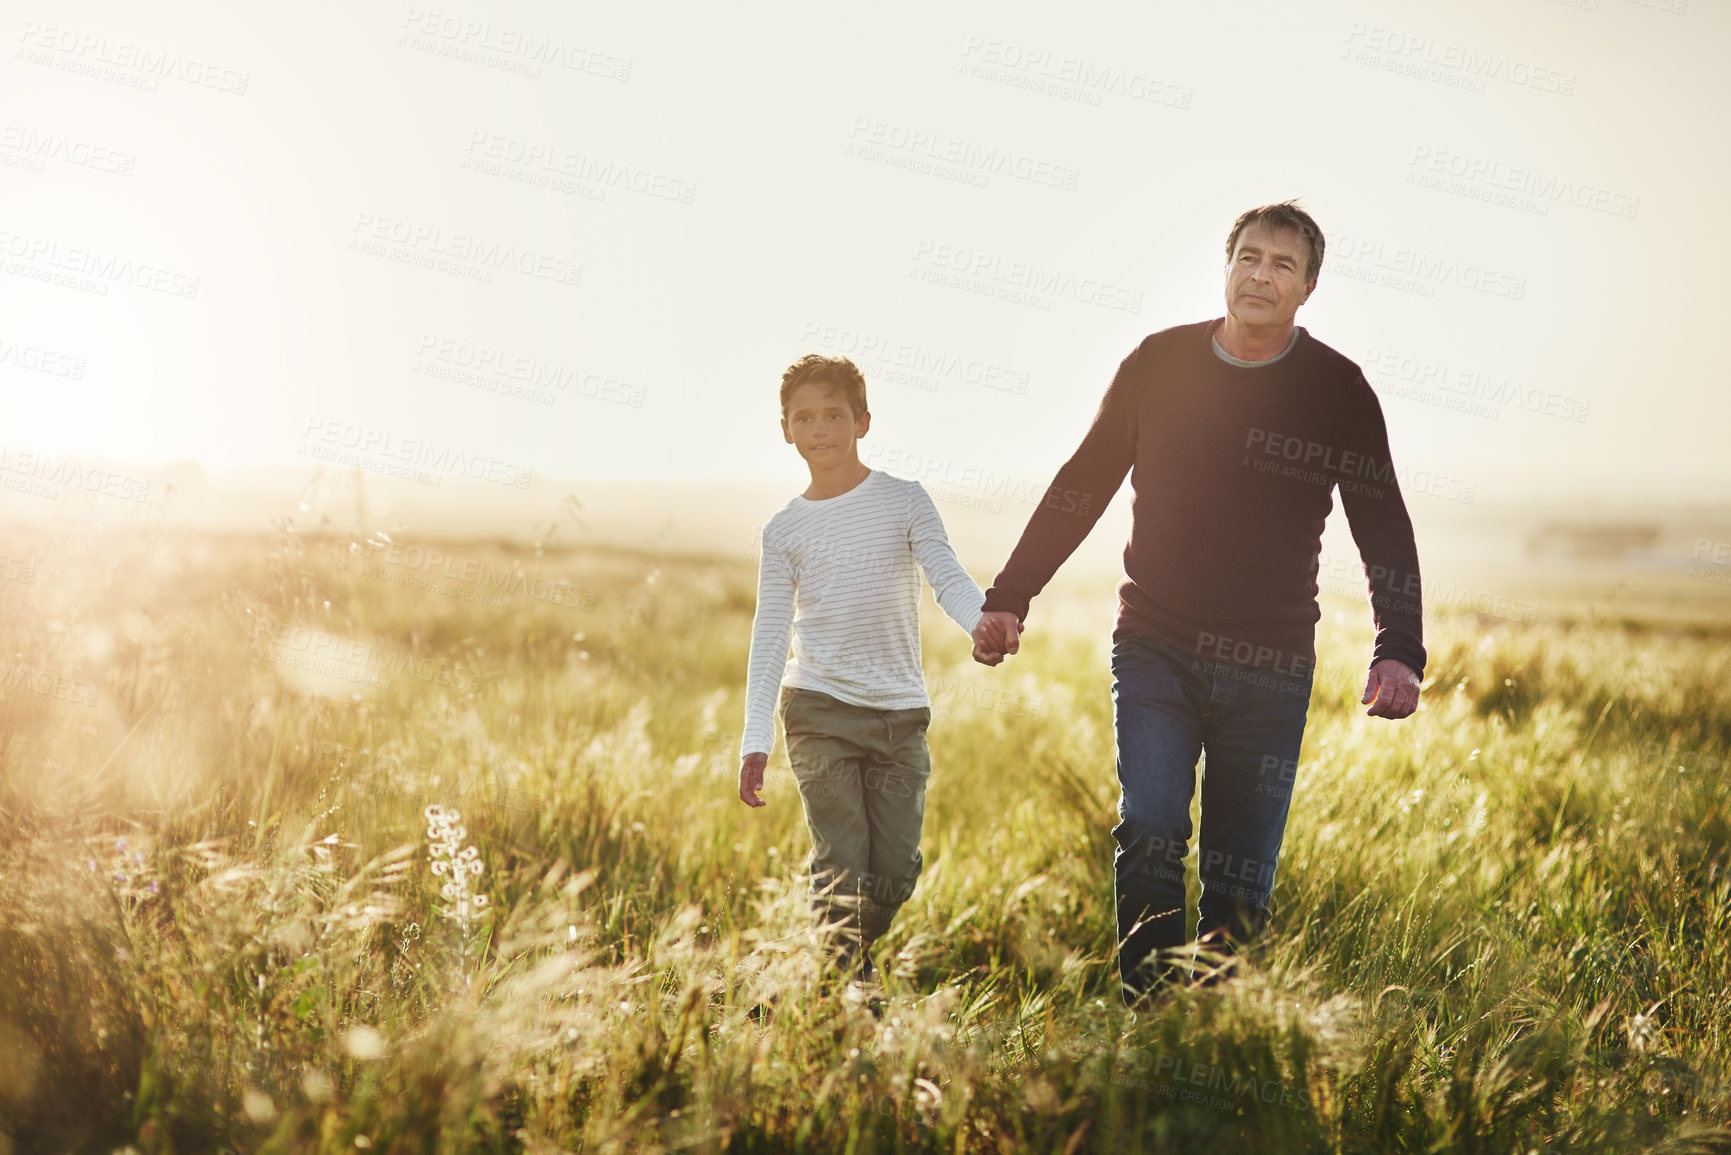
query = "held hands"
x=1391 y=691
x=751 y=778
x=997 y=634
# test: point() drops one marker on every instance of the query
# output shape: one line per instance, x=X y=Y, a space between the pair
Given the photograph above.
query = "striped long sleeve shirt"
x=838 y=577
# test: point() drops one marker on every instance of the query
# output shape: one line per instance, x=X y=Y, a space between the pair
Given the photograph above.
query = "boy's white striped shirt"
x=838 y=577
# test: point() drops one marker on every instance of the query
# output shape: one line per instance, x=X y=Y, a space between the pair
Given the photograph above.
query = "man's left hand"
x=1391 y=691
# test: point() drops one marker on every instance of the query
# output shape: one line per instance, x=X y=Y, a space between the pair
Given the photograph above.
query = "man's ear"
x=1308 y=289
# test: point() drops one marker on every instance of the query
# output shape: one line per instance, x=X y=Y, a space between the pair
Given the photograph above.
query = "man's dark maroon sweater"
x=1232 y=471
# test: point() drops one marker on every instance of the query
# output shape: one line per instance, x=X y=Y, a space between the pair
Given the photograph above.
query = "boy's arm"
x=771 y=630
x=957 y=593
x=1076 y=498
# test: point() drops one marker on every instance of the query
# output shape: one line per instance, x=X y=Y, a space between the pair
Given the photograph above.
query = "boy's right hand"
x=751 y=778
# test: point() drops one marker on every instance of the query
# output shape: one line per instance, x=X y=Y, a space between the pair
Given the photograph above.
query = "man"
x=1235 y=431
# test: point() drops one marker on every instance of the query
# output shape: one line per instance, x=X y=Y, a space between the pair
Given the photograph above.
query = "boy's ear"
x=864 y=423
x=786 y=435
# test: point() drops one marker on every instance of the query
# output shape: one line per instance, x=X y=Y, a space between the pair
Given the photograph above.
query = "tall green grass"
x=1500 y=926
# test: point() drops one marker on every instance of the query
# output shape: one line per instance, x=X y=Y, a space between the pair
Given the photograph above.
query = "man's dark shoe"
x=1154 y=978
x=1220 y=955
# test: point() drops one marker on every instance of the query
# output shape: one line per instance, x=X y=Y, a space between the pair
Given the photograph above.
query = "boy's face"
x=822 y=426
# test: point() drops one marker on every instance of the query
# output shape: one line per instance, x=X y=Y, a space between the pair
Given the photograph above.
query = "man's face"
x=821 y=425
x=1265 y=279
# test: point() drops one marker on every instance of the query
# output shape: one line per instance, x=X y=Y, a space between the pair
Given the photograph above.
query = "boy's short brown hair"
x=837 y=372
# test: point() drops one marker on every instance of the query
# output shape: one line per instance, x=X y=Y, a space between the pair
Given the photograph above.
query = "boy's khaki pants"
x=862 y=777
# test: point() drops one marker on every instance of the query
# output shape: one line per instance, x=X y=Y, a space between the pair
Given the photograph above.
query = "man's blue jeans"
x=1168 y=707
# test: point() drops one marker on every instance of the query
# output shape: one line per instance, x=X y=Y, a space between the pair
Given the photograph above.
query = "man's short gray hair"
x=1284 y=215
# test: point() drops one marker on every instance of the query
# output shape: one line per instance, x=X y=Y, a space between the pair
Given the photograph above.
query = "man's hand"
x=997 y=633
x=1391 y=691
x=751 y=778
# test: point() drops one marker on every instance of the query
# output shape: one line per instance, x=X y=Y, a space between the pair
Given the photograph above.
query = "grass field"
x=237 y=910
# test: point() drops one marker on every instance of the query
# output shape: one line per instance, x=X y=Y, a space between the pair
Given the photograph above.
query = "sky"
x=583 y=240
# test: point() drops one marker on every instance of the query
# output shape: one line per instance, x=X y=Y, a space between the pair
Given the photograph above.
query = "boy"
x=837 y=574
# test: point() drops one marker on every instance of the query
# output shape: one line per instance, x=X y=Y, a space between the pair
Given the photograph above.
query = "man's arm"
x=1377 y=516
x=771 y=630
x=1070 y=506
x=956 y=592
